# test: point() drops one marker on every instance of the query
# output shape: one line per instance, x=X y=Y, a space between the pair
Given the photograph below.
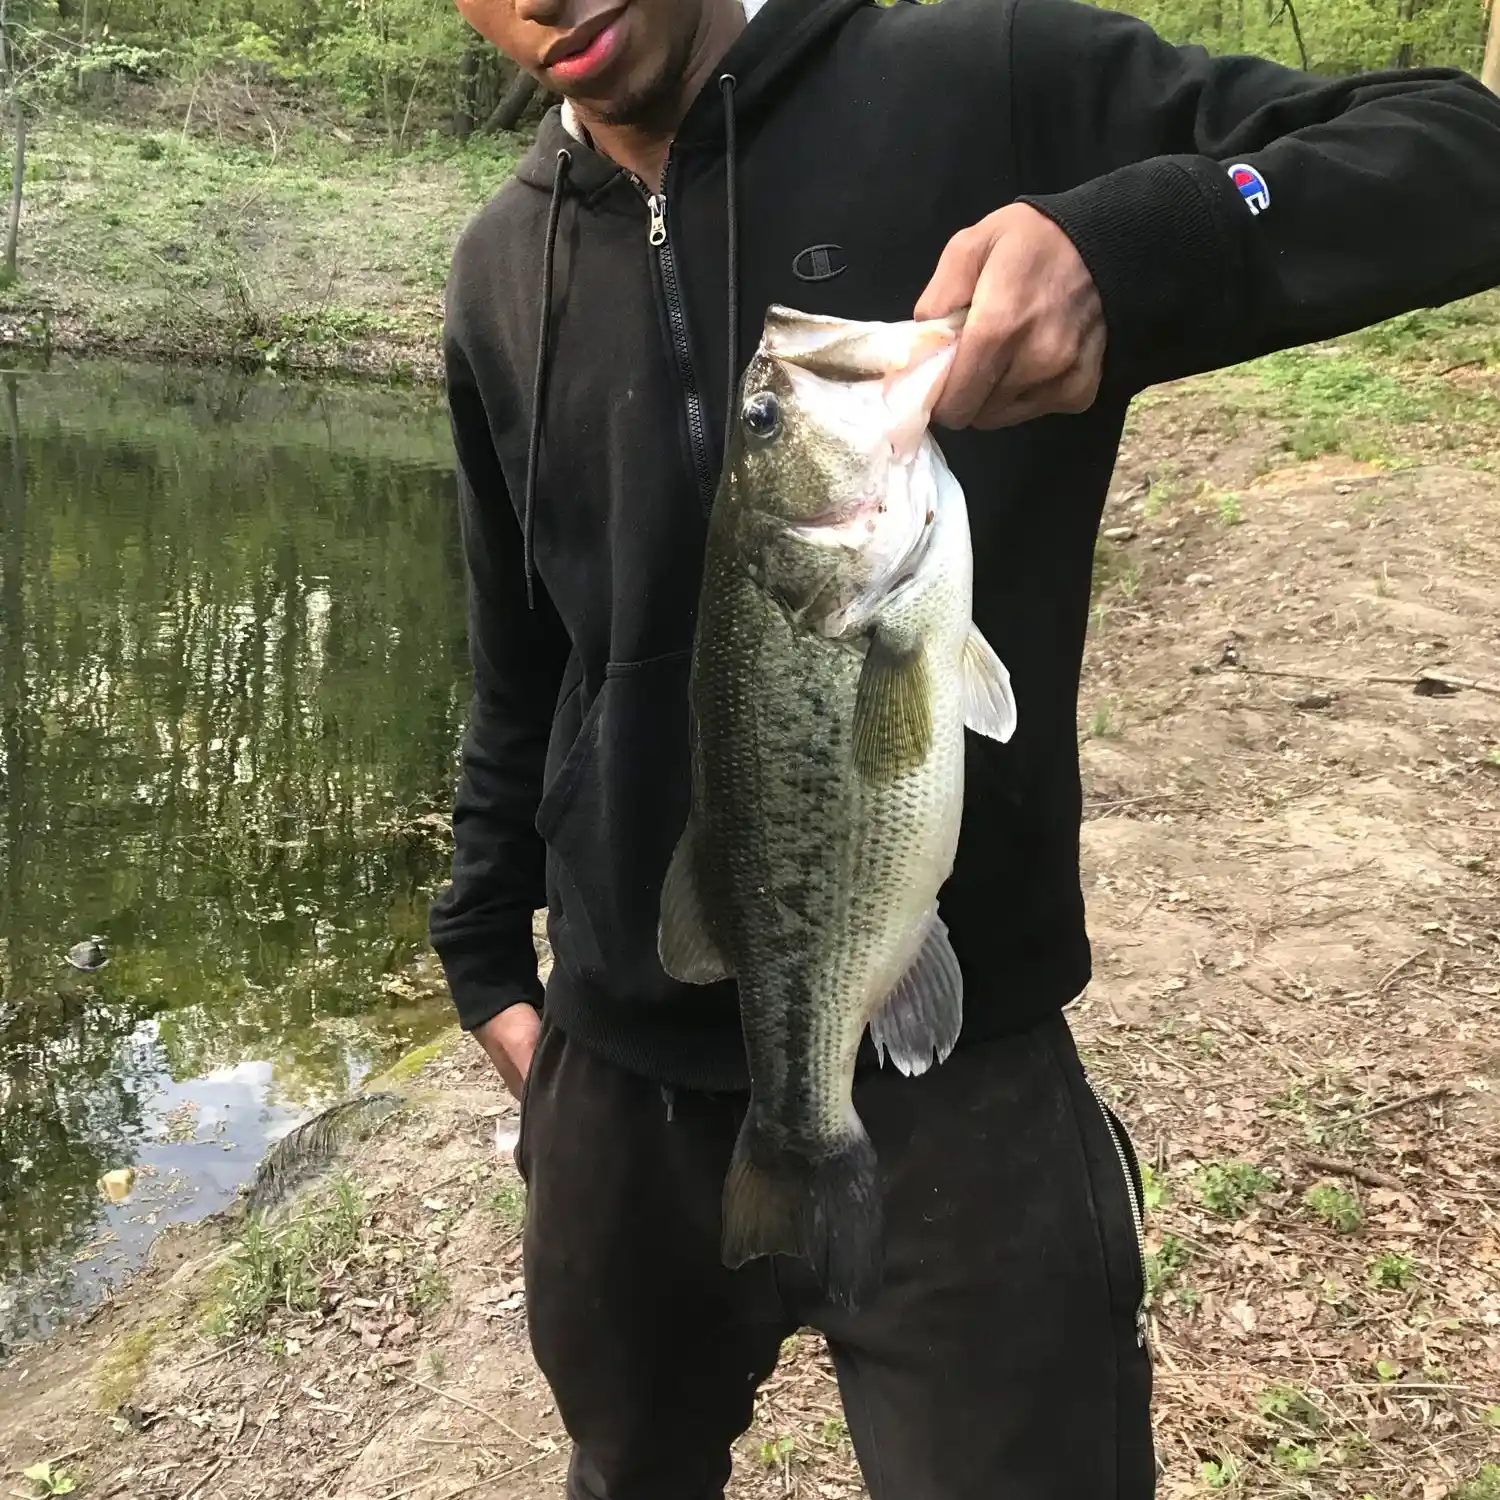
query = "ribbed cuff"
x=478 y=993
x=1156 y=238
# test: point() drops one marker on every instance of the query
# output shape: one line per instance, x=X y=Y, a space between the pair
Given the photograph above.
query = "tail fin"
x=828 y=1212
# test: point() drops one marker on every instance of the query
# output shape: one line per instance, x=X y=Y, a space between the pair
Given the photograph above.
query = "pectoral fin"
x=920 y=1022
x=892 y=710
x=684 y=943
x=989 y=704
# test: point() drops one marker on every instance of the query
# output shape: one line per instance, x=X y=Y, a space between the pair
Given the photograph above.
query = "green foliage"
x=50 y=1479
x=1219 y=1473
x=1229 y=1188
x=1154 y=1188
x=1332 y=37
x=1336 y=1206
x=1485 y=1485
x=1391 y=1272
x=285 y=1267
x=1163 y=1267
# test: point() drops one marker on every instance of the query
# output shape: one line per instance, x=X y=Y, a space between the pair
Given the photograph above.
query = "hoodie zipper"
x=658 y=239
x=1135 y=1209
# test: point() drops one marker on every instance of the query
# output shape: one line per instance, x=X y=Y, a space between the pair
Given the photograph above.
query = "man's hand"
x=510 y=1038
x=1034 y=339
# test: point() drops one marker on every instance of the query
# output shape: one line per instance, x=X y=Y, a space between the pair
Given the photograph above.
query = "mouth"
x=586 y=49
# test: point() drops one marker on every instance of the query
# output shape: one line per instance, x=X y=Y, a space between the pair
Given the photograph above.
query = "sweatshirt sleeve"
x=1227 y=207
x=481 y=924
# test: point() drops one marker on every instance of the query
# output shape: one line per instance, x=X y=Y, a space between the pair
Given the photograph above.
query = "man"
x=1115 y=212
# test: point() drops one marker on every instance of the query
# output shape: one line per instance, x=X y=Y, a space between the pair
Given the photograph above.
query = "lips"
x=586 y=49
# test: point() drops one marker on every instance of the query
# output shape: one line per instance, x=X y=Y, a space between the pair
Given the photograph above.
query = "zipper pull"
x=657 y=206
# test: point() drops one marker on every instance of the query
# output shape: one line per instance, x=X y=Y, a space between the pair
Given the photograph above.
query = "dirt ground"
x=1291 y=847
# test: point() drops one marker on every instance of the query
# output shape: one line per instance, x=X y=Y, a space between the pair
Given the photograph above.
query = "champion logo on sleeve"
x=1252 y=186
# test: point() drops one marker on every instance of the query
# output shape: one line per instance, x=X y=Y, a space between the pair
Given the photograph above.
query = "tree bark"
x=513 y=103
x=17 y=189
x=468 y=87
x=1490 y=74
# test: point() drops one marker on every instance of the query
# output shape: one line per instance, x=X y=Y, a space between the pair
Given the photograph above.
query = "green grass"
x=1164 y=1266
x=181 y=241
x=1382 y=391
x=121 y=1366
x=508 y=1204
x=1485 y=1485
x=285 y=1266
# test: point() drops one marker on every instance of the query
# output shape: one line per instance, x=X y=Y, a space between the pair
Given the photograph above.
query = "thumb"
x=958 y=270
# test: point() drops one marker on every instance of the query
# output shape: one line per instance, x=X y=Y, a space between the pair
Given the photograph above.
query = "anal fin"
x=989 y=704
x=684 y=943
x=920 y=1022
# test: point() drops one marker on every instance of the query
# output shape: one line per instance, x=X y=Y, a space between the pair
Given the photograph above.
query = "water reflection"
x=232 y=675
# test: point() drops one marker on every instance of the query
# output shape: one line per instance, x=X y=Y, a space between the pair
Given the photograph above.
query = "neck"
x=642 y=146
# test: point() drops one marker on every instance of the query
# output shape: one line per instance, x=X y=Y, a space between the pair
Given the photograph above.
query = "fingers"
x=958 y=269
x=1034 y=339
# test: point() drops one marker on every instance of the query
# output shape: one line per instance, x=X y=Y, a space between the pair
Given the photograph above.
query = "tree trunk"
x=1490 y=74
x=468 y=87
x=17 y=189
x=513 y=103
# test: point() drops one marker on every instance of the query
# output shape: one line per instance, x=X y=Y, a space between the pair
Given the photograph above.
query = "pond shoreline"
x=35 y=333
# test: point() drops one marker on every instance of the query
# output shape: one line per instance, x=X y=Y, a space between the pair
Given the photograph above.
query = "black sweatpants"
x=1001 y=1359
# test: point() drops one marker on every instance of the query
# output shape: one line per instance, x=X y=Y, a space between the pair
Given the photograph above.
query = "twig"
x=1427 y=674
x=464 y=1401
x=1367 y=1175
x=1463 y=364
x=1395 y=969
x=208 y=1359
x=1395 y=1104
x=464 y=1489
x=210 y=1475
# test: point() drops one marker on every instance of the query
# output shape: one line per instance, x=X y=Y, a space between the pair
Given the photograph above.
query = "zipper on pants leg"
x=1135 y=1208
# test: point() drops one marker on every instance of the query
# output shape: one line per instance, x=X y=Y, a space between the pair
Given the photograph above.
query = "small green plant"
x=1158 y=496
x=1335 y=1206
x=432 y=1289
x=1164 y=1265
x=1296 y=1458
x=775 y=1452
x=150 y=149
x=1102 y=726
x=50 y=1479
x=1386 y=1371
x=1219 y=1473
x=508 y=1204
x=285 y=1267
x=1229 y=1188
x=1154 y=1189
x=835 y=1432
x=1491 y=1416
x=437 y=1366
x=1228 y=505
x=1390 y=1272
x=1285 y=1403
x=1493 y=756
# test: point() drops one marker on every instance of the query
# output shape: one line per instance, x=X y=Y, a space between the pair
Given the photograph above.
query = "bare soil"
x=1291 y=847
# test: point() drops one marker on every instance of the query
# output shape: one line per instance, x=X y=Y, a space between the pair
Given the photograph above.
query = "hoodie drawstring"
x=727 y=85
x=538 y=389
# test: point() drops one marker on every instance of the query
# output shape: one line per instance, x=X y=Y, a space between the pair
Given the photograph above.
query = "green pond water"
x=232 y=686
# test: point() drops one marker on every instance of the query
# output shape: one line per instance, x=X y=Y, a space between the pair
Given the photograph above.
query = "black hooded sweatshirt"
x=1226 y=207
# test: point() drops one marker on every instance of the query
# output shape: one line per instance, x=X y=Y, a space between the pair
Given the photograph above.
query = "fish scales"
x=834 y=668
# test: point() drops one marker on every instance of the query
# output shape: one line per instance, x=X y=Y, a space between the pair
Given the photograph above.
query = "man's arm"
x=1357 y=199
x=481 y=924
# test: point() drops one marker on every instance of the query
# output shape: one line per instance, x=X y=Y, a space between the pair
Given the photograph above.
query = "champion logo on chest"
x=819 y=263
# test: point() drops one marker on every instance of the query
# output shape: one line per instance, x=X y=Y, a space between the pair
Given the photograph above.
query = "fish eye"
x=762 y=415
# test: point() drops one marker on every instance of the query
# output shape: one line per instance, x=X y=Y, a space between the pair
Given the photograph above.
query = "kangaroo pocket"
x=611 y=819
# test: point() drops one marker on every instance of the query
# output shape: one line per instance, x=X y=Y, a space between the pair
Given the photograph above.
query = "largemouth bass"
x=834 y=669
